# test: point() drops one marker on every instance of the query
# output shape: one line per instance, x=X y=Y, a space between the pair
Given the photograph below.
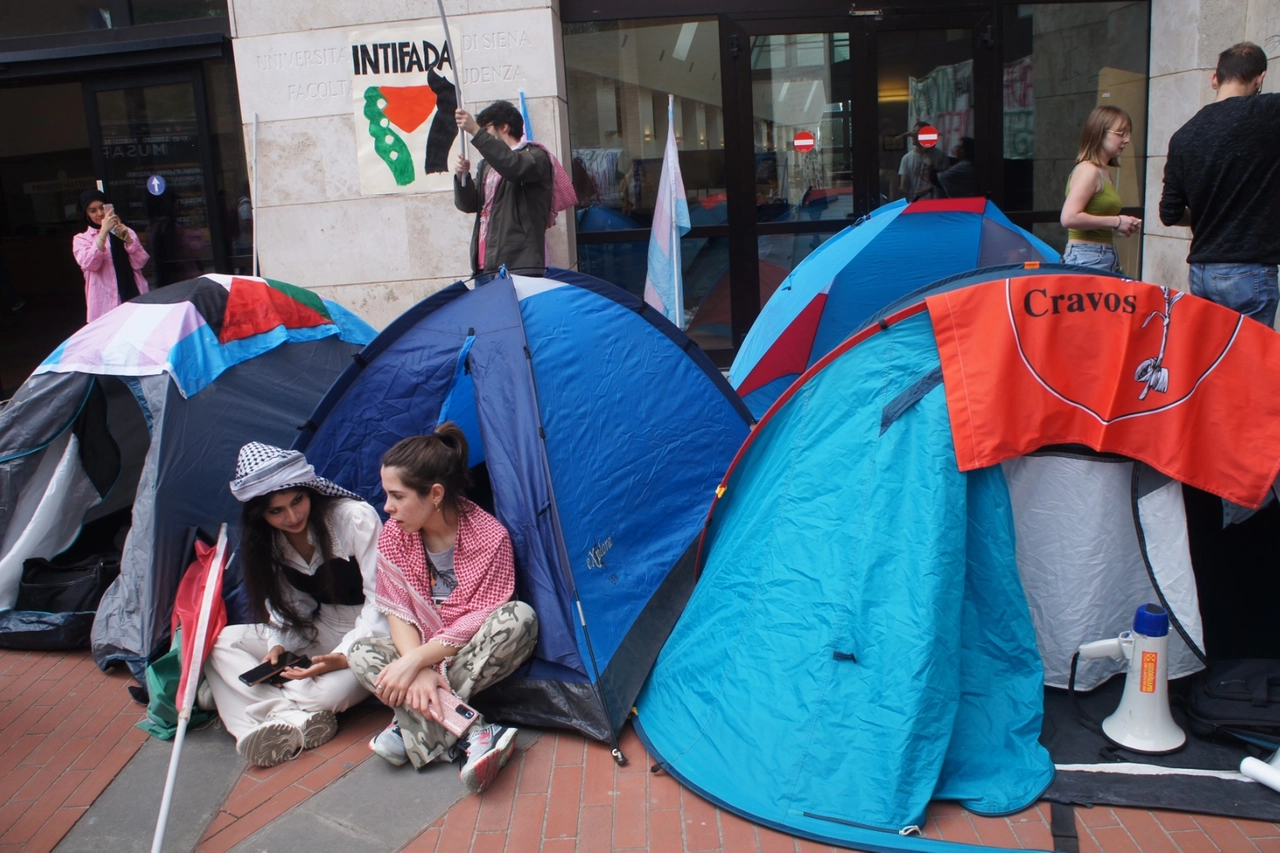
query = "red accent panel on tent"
x=947 y=205
x=254 y=307
x=1156 y=374
x=790 y=352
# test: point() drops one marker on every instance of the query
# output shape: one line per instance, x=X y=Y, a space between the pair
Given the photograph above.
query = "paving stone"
x=123 y=818
x=375 y=807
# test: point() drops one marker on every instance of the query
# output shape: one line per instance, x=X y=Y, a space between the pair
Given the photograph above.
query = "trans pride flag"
x=664 y=284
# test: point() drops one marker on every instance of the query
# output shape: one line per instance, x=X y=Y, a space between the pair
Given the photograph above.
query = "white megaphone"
x=1142 y=722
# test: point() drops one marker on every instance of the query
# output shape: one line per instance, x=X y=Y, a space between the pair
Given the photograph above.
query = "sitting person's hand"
x=320 y=664
x=394 y=681
x=423 y=695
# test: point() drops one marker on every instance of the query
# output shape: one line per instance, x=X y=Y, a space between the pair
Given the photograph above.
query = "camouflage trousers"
x=504 y=641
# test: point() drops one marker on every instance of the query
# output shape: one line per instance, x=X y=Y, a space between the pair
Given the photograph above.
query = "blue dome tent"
x=600 y=431
x=915 y=598
x=831 y=294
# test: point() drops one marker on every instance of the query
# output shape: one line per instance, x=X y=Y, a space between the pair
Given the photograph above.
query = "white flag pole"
x=455 y=63
x=677 y=273
x=187 y=699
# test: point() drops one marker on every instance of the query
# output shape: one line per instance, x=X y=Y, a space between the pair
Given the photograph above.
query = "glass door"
x=845 y=116
x=151 y=150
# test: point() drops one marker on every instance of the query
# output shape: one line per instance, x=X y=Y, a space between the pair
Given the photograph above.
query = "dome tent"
x=868 y=536
x=894 y=251
x=597 y=432
x=145 y=408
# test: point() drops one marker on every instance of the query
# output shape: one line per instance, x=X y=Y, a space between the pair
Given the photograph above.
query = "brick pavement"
x=66 y=730
x=566 y=795
x=562 y=794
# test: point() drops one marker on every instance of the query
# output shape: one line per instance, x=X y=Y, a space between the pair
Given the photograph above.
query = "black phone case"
x=269 y=673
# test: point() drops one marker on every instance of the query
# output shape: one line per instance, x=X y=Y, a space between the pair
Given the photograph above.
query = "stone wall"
x=376 y=254
x=1186 y=38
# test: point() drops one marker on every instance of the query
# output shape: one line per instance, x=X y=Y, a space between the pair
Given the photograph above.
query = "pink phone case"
x=457 y=716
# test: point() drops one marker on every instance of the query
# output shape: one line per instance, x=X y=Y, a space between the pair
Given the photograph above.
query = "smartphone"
x=456 y=715
x=270 y=672
x=107 y=208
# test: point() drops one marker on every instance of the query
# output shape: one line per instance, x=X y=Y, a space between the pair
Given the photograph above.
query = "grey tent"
x=146 y=408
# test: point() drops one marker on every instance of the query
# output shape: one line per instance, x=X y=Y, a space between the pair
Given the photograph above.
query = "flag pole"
x=678 y=273
x=188 y=697
x=457 y=81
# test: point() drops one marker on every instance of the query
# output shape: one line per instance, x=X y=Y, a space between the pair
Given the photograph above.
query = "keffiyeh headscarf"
x=262 y=469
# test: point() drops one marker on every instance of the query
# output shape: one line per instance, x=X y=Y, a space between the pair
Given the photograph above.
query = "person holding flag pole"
x=664 y=281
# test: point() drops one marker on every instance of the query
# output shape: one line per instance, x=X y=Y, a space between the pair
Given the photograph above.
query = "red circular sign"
x=803 y=141
x=927 y=136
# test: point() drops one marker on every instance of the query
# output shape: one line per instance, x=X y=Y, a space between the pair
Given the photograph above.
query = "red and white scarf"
x=482 y=559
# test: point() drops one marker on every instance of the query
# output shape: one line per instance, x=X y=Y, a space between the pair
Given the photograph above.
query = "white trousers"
x=239 y=648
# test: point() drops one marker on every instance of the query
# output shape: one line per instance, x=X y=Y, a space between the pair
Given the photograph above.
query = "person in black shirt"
x=1222 y=178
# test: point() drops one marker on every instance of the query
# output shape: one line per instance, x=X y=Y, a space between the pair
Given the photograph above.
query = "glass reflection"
x=619 y=74
x=800 y=88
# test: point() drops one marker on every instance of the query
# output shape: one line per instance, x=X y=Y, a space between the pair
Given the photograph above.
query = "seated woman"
x=308 y=550
x=446 y=576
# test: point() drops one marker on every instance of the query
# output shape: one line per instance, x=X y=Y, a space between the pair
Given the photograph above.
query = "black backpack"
x=1236 y=697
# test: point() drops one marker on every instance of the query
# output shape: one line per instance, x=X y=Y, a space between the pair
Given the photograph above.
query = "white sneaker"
x=268 y=744
x=389 y=744
x=488 y=749
x=317 y=727
x=204 y=696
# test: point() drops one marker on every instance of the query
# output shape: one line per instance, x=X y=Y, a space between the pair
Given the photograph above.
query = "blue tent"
x=901 y=659
x=602 y=433
x=909 y=612
x=830 y=295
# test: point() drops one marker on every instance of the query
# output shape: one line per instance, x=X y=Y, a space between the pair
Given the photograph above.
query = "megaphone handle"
x=1260 y=771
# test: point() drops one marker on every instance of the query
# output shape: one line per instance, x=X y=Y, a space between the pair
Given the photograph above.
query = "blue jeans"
x=1250 y=289
x=1101 y=256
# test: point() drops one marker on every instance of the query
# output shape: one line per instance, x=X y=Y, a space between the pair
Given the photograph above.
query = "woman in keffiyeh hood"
x=446 y=577
x=109 y=255
x=308 y=553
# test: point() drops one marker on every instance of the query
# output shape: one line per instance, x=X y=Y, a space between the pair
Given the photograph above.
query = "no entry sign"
x=804 y=141
x=927 y=136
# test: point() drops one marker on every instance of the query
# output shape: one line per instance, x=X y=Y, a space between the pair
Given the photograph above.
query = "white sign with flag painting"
x=404 y=98
x=664 y=282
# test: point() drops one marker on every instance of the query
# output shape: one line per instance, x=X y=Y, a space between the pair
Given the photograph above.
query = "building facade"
x=315 y=125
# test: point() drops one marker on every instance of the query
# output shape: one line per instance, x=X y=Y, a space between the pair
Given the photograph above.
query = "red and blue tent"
x=898 y=249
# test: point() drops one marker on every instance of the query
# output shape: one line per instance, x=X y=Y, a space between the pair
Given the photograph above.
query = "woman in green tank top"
x=1091 y=213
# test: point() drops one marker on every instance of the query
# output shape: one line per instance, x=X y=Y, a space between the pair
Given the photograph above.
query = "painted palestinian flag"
x=405 y=108
x=404 y=95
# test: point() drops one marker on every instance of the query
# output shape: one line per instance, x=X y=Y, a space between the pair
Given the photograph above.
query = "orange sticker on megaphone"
x=1148 y=682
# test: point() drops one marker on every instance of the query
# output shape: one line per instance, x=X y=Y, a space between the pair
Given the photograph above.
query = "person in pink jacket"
x=110 y=255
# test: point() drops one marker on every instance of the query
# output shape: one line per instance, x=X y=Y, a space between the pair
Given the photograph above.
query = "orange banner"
x=1152 y=373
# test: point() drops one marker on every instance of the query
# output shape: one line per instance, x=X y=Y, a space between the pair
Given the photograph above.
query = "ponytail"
x=421 y=461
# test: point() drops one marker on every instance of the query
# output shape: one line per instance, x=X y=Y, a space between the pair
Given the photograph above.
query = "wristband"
x=1118 y=220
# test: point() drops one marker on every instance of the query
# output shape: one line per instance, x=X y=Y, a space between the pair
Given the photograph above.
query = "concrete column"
x=318 y=227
